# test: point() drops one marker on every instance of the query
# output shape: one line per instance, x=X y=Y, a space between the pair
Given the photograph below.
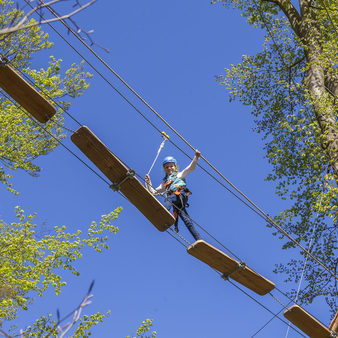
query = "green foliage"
x=30 y=265
x=42 y=326
x=46 y=325
x=299 y=126
x=22 y=139
x=87 y=322
x=145 y=327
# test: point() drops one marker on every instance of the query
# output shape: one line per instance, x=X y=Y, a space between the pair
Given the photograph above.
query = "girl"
x=176 y=192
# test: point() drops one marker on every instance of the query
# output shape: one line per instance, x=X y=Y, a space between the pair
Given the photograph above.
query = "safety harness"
x=178 y=191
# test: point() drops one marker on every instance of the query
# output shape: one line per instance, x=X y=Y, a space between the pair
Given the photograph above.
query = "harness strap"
x=176 y=220
x=180 y=189
x=168 y=184
x=178 y=211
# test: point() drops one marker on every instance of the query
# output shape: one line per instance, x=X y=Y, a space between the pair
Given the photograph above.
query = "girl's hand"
x=197 y=153
x=147 y=178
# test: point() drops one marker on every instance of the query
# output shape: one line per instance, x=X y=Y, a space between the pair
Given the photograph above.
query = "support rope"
x=200 y=226
x=165 y=138
x=126 y=198
x=267 y=218
x=262 y=305
x=301 y=247
x=306 y=258
x=270 y=320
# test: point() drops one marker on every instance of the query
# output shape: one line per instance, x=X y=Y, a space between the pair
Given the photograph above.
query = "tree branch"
x=77 y=313
x=21 y=26
x=291 y=13
x=25 y=18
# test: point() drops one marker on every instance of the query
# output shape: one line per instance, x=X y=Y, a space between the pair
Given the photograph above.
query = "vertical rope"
x=306 y=259
x=165 y=138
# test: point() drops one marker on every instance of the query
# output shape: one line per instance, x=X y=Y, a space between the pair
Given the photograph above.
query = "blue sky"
x=169 y=53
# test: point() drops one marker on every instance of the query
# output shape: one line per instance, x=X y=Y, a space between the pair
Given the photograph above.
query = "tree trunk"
x=305 y=25
x=325 y=113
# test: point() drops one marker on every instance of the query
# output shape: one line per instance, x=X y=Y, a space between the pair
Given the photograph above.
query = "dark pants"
x=178 y=202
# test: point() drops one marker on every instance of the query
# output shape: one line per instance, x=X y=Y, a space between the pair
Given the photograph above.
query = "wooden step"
x=220 y=261
x=25 y=94
x=116 y=171
x=334 y=324
x=306 y=323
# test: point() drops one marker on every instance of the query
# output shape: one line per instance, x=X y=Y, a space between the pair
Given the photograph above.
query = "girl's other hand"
x=197 y=153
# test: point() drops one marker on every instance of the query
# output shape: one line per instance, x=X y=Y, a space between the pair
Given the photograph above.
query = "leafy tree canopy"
x=30 y=264
x=23 y=139
x=292 y=89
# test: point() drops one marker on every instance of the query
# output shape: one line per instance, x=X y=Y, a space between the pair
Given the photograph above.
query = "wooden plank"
x=115 y=171
x=25 y=94
x=305 y=322
x=220 y=261
x=334 y=324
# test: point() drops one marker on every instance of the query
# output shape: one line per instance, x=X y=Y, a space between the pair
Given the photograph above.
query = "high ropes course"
x=122 y=179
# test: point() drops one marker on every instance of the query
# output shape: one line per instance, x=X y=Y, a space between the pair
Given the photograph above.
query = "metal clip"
x=116 y=186
x=3 y=60
x=240 y=266
x=165 y=136
x=334 y=335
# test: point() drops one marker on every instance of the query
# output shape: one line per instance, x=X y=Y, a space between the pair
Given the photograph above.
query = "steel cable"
x=267 y=218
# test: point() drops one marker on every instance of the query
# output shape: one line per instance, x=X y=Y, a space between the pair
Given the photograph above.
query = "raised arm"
x=184 y=173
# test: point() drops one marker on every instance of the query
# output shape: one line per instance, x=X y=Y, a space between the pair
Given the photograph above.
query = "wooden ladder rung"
x=116 y=172
x=25 y=94
x=334 y=324
x=220 y=261
x=306 y=323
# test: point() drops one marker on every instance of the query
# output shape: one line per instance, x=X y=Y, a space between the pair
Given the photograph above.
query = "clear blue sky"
x=169 y=52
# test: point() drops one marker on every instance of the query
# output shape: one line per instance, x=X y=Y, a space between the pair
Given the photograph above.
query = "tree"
x=292 y=89
x=22 y=139
x=29 y=265
x=145 y=327
x=19 y=20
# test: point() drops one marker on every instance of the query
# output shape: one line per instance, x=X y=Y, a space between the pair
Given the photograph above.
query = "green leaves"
x=145 y=327
x=30 y=265
x=286 y=85
x=22 y=139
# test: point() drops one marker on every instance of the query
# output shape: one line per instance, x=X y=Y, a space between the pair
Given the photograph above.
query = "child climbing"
x=176 y=192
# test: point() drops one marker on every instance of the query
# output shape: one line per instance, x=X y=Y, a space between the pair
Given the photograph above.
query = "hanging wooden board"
x=25 y=94
x=305 y=322
x=116 y=171
x=220 y=261
x=334 y=324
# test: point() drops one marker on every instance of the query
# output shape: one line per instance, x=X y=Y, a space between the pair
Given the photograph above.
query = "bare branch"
x=21 y=26
x=77 y=314
x=3 y=333
x=41 y=5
